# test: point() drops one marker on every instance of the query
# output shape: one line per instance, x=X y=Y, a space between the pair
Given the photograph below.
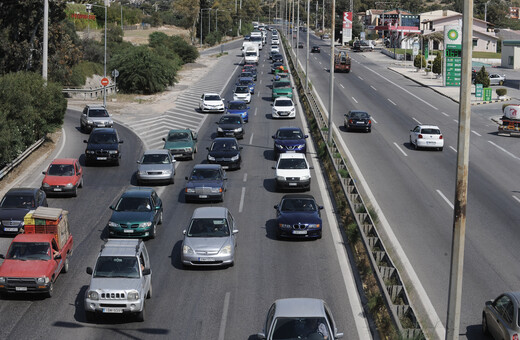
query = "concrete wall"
x=510 y=51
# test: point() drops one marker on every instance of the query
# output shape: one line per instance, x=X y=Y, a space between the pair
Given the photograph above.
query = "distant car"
x=292 y=171
x=231 y=126
x=500 y=317
x=298 y=216
x=247 y=82
x=156 y=166
x=247 y=37
x=238 y=107
x=94 y=116
x=210 y=239
x=103 y=146
x=363 y=45
x=272 y=53
x=325 y=36
x=181 y=143
x=207 y=182
x=496 y=79
x=283 y=107
x=277 y=57
x=426 y=136
x=300 y=45
x=315 y=49
x=211 y=102
x=226 y=152
x=275 y=41
x=63 y=176
x=281 y=88
x=299 y=318
x=251 y=69
x=275 y=48
x=242 y=92
x=275 y=65
x=289 y=139
x=15 y=204
x=357 y=120
x=136 y=214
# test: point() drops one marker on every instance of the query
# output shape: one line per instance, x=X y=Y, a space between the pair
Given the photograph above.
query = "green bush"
x=82 y=71
x=177 y=44
x=501 y=92
x=213 y=38
x=437 y=64
x=419 y=61
x=482 y=77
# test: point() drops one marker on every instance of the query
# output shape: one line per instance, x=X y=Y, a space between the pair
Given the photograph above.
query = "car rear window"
x=284 y=102
x=238 y=106
x=431 y=131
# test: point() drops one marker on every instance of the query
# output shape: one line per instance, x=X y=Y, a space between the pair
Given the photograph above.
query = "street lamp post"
x=105 y=61
x=307 y=55
x=331 y=85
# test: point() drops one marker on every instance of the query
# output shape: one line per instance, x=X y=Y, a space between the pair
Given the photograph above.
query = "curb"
x=492 y=101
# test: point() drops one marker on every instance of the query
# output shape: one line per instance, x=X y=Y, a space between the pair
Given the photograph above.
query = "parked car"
x=210 y=239
x=496 y=79
x=15 y=204
x=230 y=126
x=299 y=318
x=292 y=171
x=156 y=166
x=211 y=102
x=315 y=49
x=206 y=182
x=181 y=143
x=357 y=120
x=226 y=152
x=500 y=317
x=103 y=146
x=289 y=139
x=247 y=82
x=426 y=136
x=63 y=176
x=283 y=107
x=298 y=216
x=95 y=116
x=243 y=93
x=136 y=214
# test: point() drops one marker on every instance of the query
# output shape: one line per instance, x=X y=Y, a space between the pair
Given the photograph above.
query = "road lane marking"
x=418 y=122
x=373 y=119
x=392 y=102
x=501 y=148
x=516 y=198
x=456 y=121
x=444 y=113
x=373 y=88
x=445 y=198
x=241 y=206
x=354 y=99
x=245 y=177
x=451 y=147
x=342 y=86
x=399 y=148
x=475 y=132
x=260 y=82
x=360 y=77
x=251 y=139
x=256 y=110
x=223 y=321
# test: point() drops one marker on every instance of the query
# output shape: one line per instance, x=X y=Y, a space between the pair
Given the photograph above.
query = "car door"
x=232 y=226
x=498 y=321
x=77 y=170
x=224 y=179
x=414 y=133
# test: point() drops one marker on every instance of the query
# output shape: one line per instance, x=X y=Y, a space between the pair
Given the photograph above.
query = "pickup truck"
x=35 y=259
x=342 y=62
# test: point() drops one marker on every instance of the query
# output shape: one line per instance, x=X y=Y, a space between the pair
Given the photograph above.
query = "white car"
x=426 y=136
x=283 y=107
x=211 y=102
x=275 y=41
x=242 y=93
x=293 y=172
x=275 y=48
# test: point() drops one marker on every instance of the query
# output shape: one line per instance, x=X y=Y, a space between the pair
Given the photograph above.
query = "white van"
x=246 y=45
x=252 y=55
x=256 y=37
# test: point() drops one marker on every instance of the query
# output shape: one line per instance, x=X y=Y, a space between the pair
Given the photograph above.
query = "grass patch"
x=343 y=173
x=487 y=55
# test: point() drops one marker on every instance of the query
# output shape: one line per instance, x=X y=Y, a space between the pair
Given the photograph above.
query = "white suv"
x=211 y=102
x=293 y=172
x=283 y=107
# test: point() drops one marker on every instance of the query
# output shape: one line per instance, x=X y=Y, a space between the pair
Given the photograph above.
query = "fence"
x=21 y=157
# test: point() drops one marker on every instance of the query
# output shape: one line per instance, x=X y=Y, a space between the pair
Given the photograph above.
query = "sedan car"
x=299 y=318
x=277 y=57
x=239 y=107
x=156 y=166
x=357 y=120
x=298 y=216
x=211 y=102
x=15 y=204
x=63 y=176
x=275 y=65
x=315 y=49
x=289 y=139
x=230 y=126
x=426 y=136
x=226 y=152
x=283 y=107
x=210 y=239
x=242 y=93
x=247 y=82
x=136 y=214
x=496 y=79
x=207 y=182
x=300 y=45
x=500 y=317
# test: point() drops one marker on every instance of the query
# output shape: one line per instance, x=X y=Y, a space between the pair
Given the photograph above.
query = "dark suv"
x=16 y=204
x=103 y=146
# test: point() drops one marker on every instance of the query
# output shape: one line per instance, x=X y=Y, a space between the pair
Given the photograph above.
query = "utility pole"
x=45 y=39
x=201 y=27
x=307 y=56
x=323 y=17
x=316 y=17
x=121 y=4
x=292 y=28
x=331 y=85
x=297 y=32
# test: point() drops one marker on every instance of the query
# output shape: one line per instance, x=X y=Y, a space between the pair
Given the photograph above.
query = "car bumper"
x=207 y=260
x=24 y=285
x=179 y=154
x=359 y=127
x=283 y=115
x=297 y=184
x=291 y=233
x=227 y=164
x=113 y=307
x=59 y=190
x=202 y=197
x=422 y=143
x=237 y=135
x=111 y=158
x=129 y=232
x=245 y=99
x=155 y=178
x=212 y=109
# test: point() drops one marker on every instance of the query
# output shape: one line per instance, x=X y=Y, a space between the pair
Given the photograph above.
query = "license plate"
x=100 y=125
x=112 y=310
x=205 y=259
x=229 y=133
x=225 y=167
x=57 y=189
x=21 y=289
x=299 y=232
x=101 y=158
x=128 y=231
x=10 y=229
x=359 y=123
x=293 y=184
x=430 y=143
x=203 y=196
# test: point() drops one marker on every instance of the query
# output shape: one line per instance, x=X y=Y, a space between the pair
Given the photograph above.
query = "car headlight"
x=90 y=152
x=211 y=158
x=299 y=147
x=219 y=129
x=235 y=158
x=187 y=250
x=2 y=280
x=45 y=185
x=145 y=225
x=113 y=224
x=216 y=190
x=226 y=250
x=69 y=185
x=292 y=109
x=238 y=129
x=113 y=152
x=284 y=226
x=90 y=122
x=42 y=280
x=190 y=190
x=141 y=172
x=93 y=295
x=110 y=122
x=279 y=146
x=167 y=172
x=188 y=149
x=304 y=178
x=133 y=295
x=313 y=226
x=280 y=178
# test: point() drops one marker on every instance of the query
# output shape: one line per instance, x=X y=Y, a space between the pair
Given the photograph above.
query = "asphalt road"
x=415 y=189
x=188 y=304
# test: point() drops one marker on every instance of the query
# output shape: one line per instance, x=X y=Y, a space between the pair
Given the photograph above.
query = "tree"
x=482 y=77
x=437 y=64
x=419 y=61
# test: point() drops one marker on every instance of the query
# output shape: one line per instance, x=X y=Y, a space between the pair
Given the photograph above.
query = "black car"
x=103 y=146
x=275 y=65
x=289 y=139
x=15 y=204
x=272 y=53
x=277 y=57
x=226 y=152
x=230 y=125
x=357 y=120
x=300 y=45
x=298 y=216
x=207 y=182
x=315 y=49
x=250 y=68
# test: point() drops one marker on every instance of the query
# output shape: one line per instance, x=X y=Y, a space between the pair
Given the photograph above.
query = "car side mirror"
x=271 y=104
x=248 y=107
x=164 y=139
x=120 y=141
x=89 y=270
x=276 y=206
x=235 y=231
x=85 y=141
x=44 y=172
x=147 y=271
x=112 y=207
x=320 y=207
x=184 y=232
x=273 y=136
x=138 y=162
x=195 y=136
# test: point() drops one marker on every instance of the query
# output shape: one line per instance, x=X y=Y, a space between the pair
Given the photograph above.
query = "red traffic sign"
x=104 y=81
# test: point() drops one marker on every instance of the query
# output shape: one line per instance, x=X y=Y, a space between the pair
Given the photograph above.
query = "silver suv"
x=95 y=116
x=121 y=280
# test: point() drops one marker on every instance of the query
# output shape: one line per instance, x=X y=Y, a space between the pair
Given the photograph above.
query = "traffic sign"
x=104 y=81
x=478 y=90
x=115 y=73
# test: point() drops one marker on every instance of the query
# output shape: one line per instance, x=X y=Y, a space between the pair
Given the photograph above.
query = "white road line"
x=516 y=198
x=456 y=121
x=251 y=139
x=360 y=77
x=475 y=132
x=391 y=102
x=222 y=332
x=444 y=113
x=341 y=85
x=399 y=148
x=418 y=122
x=354 y=99
x=62 y=142
x=320 y=62
x=245 y=177
x=260 y=82
x=373 y=88
x=373 y=119
x=256 y=110
x=445 y=198
x=451 y=147
x=241 y=206
x=501 y=148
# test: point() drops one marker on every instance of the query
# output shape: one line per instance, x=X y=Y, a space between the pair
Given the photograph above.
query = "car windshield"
x=246 y=75
x=103 y=138
x=212 y=98
x=29 y=251
x=251 y=54
x=230 y=120
x=97 y=113
x=431 y=131
x=245 y=82
x=205 y=174
x=61 y=170
x=117 y=266
x=223 y=145
x=300 y=328
x=278 y=56
x=18 y=201
x=155 y=158
x=276 y=64
x=359 y=115
x=281 y=84
x=208 y=227
x=292 y=163
x=178 y=136
x=256 y=39
x=283 y=102
x=133 y=204
x=238 y=106
x=241 y=89
x=298 y=204
x=289 y=134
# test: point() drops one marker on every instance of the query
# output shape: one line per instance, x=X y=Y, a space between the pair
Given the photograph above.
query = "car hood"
x=230 y=126
x=131 y=216
x=237 y=111
x=28 y=268
x=178 y=144
x=213 y=102
x=293 y=172
x=154 y=167
x=16 y=214
x=292 y=217
x=289 y=142
x=224 y=153
x=111 y=146
x=204 y=183
x=59 y=180
x=206 y=243
x=116 y=283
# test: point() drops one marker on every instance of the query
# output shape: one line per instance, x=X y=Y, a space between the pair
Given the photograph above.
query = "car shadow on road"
x=270 y=184
x=474 y=332
x=269 y=155
x=270 y=229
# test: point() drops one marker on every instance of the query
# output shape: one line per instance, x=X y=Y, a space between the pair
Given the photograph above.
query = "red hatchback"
x=64 y=176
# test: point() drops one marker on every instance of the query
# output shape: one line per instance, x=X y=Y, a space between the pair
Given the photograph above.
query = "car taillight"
x=440 y=137
x=350 y=121
x=515 y=336
x=369 y=121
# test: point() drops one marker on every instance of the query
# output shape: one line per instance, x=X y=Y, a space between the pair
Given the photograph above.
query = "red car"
x=64 y=176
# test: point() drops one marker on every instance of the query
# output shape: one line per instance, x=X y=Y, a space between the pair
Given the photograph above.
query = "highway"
x=198 y=303
x=415 y=189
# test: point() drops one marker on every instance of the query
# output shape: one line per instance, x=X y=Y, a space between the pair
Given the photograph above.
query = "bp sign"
x=452 y=55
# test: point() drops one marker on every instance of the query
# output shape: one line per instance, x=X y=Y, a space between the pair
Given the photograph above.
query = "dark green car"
x=282 y=88
x=182 y=143
x=136 y=214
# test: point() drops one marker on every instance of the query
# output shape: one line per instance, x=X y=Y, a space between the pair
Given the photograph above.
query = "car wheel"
x=81 y=183
x=192 y=155
x=278 y=233
x=149 y=295
x=319 y=235
x=172 y=180
x=90 y=316
x=153 y=232
x=485 y=328
x=440 y=149
x=65 y=268
x=75 y=192
x=140 y=315
x=159 y=220
x=501 y=82
x=369 y=130
x=51 y=289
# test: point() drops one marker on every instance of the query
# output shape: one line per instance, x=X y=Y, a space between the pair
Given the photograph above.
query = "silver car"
x=95 y=116
x=210 y=239
x=299 y=318
x=500 y=316
x=497 y=79
x=156 y=166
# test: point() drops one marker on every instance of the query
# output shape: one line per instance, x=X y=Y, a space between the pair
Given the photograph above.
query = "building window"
x=510 y=60
x=475 y=42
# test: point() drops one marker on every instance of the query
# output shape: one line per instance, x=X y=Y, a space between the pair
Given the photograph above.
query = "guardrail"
x=388 y=278
x=21 y=157
x=92 y=93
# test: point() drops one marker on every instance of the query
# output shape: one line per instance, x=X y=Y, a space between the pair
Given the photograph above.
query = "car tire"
x=160 y=219
x=65 y=267
x=149 y=295
x=153 y=232
x=80 y=185
x=192 y=157
x=90 y=316
x=51 y=289
x=75 y=192
x=485 y=328
x=140 y=316
x=440 y=149
x=278 y=234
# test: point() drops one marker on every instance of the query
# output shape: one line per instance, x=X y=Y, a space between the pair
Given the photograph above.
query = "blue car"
x=298 y=216
x=239 y=107
x=289 y=139
x=247 y=82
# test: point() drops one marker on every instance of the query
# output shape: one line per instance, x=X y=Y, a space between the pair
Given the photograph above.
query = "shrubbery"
x=213 y=38
x=437 y=64
x=482 y=77
x=177 y=44
x=419 y=61
x=501 y=92
x=82 y=71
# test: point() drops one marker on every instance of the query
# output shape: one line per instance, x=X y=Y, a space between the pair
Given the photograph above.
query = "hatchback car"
x=156 y=166
x=298 y=216
x=63 y=176
x=283 y=107
x=357 y=120
x=300 y=45
x=289 y=139
x=230 y=126
x=207 y=182
x=299 y=318
x=275 y=48
x=15 y=204
x=247 y=82
x=103 y=146
x=210 y=239
x=94 y=116
x=277 y=57
x=136 y=214
x=426 y=136
x=226 y=152
x=240 y=108
x=315 y=49
x=251 y=69
x=500 y=317
x=211 y=102
x=242 y=93
x=293 y=172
